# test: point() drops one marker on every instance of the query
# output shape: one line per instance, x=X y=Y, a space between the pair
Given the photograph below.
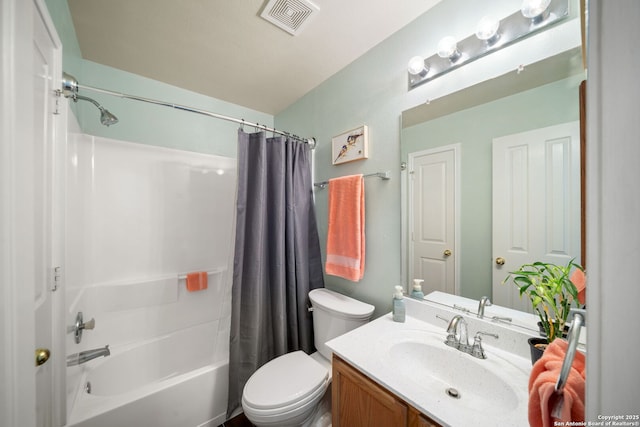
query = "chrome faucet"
x=85 y=356
x=457 y=334
x=457 y=337
x=484 y=302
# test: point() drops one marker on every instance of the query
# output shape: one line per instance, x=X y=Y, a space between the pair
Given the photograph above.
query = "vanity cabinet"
x=358 y=401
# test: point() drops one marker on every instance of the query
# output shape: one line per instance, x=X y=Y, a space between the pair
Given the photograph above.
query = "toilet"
x=293 y=390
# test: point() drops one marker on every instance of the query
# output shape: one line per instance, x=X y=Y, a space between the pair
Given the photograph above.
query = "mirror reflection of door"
x=433 y=189
x=536 y=203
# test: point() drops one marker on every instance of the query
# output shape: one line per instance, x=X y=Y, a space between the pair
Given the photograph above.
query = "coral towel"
x=542 y=383
x=580 y=281
x=345 y=237
x=197 y=281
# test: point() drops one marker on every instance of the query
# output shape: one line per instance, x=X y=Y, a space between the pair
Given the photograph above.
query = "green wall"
x=475 y=129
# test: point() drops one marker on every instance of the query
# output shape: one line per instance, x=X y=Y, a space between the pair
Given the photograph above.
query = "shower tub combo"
x=138 y=219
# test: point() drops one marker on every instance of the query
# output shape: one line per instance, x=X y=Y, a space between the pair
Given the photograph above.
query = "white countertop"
x=368 y=347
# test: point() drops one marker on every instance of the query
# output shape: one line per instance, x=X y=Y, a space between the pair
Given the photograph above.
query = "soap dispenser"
x=417 y=289
x=399 y=311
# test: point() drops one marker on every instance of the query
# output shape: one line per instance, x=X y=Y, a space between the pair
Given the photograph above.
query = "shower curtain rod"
x=74 y=85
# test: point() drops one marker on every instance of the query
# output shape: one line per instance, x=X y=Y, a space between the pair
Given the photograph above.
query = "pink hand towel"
x=345 y=237
x=197 y=281
x=542 y=383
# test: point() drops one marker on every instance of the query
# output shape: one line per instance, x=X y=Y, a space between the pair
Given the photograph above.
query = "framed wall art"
x=350 y=146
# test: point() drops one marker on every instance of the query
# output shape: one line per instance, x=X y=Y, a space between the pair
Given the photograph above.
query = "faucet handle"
x=501 y=319
x=444 y=319
x=90 y=324
x=461 y=308
x=81 y=325
x=477 y=350
x=488 y=334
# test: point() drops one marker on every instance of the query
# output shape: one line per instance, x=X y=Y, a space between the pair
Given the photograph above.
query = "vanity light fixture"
x=417 y=66
x=535 y=10
x=491 y=35
x=487 y=30
x=448 y=48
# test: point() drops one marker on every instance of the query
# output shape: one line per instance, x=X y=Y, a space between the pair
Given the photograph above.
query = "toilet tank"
x=335 y=314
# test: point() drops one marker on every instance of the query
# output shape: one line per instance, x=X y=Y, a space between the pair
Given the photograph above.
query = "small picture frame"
x=350 y=146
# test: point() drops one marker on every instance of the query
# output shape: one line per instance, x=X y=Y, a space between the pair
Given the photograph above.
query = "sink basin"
x=422 y=358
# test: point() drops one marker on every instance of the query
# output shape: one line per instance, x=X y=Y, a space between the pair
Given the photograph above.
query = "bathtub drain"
x=87 y=387
x=453 y=393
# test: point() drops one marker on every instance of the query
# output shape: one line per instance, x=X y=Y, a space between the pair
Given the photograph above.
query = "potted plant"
x=552 y=295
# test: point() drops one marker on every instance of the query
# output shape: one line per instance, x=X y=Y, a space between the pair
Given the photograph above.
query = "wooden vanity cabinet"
x=358 y=401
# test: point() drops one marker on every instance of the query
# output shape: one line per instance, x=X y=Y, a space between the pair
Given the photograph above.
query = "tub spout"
x=85 y=356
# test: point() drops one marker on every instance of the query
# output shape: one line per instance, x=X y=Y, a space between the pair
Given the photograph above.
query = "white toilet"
x=289 y=391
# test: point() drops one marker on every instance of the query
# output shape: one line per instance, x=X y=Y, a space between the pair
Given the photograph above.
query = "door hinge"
x=56 y=278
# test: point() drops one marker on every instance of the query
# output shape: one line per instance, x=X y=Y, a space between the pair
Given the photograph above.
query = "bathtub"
x=135 y=387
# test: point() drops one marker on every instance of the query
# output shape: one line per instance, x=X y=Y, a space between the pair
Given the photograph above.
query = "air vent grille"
x=290 y=15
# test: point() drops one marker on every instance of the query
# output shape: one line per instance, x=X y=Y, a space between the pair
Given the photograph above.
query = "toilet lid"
x=340 y=305
x=284 y=380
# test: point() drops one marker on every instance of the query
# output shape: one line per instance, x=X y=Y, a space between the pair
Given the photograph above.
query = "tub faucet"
x=484 y=302
x=457 y=334
x=85 y=356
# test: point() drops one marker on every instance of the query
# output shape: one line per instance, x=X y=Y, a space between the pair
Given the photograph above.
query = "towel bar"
x=386 y=175
x=209 y=273
x=574 y=334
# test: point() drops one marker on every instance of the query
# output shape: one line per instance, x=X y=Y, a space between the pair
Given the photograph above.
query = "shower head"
x=70 y=90
x=106 y=118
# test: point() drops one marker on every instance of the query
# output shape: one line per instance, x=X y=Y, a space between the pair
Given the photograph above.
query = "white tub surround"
x=168 y=381
x=138 y=218
x=493 y=390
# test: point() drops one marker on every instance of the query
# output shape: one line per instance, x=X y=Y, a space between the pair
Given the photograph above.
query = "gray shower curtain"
x=277 y=256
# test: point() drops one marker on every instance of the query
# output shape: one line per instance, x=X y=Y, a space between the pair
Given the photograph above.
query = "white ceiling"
x=224 y=49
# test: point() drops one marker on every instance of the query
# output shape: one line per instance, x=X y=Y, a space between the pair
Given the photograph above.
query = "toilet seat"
x=284 y=383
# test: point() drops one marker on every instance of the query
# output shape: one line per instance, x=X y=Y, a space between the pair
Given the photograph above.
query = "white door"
x=536 y=203
x=46 y=173
x=433 y=177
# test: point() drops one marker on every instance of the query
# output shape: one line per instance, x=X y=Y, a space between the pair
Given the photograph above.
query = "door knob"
x=42 y=355
x=447 y=252
x=500 y=261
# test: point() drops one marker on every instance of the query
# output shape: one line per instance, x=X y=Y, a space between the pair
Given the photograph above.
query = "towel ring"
x=574 y=335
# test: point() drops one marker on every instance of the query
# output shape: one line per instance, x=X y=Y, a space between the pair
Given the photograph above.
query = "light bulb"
x=416 y=66
x=448 y=48
x=487 y=29
x=534 y=9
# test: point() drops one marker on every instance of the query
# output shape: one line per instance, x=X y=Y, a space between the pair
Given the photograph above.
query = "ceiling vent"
x=290 y=15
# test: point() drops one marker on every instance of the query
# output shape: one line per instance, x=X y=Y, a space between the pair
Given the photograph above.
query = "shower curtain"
x=277 y=256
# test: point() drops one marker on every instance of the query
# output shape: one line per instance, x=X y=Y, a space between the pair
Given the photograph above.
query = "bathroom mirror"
x=459 y=130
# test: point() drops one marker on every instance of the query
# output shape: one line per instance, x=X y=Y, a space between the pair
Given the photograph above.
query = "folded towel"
x=197 y=281
x=580 y=281
x=542 y=382
x=345 y=237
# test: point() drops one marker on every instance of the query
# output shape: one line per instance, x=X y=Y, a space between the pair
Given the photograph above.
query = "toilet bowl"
x=293 y=390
